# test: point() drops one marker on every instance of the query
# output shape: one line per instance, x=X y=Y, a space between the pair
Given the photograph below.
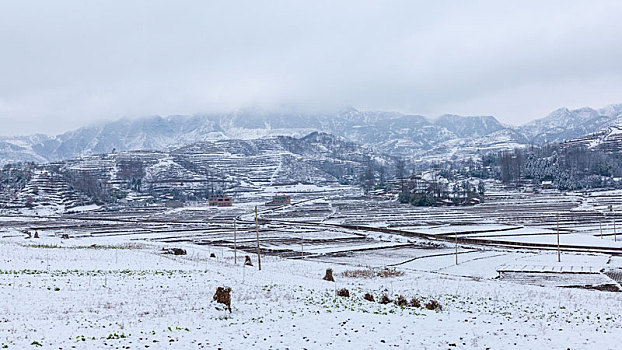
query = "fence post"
x=235 y=246
x=559 y=256
x=257 y=231
x=456 y=238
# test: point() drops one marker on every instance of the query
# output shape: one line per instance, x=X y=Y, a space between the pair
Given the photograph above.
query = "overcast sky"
x=64 y=64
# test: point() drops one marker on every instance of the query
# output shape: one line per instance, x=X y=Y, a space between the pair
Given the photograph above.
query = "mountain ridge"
x=390 y=132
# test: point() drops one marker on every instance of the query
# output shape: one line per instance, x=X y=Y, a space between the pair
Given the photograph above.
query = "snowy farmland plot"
x=485 y=276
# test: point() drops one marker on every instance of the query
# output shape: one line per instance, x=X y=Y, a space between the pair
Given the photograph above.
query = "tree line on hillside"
x=560 y=166
x=454 y=181
x=566 y=168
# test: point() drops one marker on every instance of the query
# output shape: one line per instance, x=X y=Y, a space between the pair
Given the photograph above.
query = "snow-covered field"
x=119 y=294
x=109 y=286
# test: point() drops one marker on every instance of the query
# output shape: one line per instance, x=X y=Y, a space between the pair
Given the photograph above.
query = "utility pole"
x=235 y=248
x=456 y=238
x=257 y=231
x=559 y=256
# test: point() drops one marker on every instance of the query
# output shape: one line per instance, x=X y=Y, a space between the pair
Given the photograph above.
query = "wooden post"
x=302 y=246
x=235 y=247
x=559 y=255
x=600 y=224
x=257 y=231
x=456 y=238
x=615 y=233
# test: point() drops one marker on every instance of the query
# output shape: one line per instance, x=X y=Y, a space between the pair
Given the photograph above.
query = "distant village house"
x=220 y=201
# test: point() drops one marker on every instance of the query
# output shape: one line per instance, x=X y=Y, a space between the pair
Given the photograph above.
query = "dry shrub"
x=384 y=299
x=371 y=273
x=386 y=272
x=174 y=251
x=401 y=301
x=433 y=305
x=414 y=302
x=367 y=273
x=132 y=246
x=369 y=297
x=343 y=292
x=223 y=296
x=329 y=275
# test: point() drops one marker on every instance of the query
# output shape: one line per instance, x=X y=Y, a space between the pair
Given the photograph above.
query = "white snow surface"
x=122 y=293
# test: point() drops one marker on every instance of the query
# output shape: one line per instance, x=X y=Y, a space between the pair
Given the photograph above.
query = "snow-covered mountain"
x=20 y=149
x=564 y=124
x=467 y=127
x=388 y=132
x=463 y=148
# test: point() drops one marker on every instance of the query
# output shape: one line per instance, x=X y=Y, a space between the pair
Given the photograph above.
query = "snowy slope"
x=187 y=173
x=608 y=139
x=389 y=132
x=564 y=124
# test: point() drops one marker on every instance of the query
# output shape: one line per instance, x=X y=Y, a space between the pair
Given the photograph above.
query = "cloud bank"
x=64 y=64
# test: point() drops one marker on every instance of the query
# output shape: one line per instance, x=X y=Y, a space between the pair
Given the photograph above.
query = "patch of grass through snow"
x=92 y=246
x=371 y=273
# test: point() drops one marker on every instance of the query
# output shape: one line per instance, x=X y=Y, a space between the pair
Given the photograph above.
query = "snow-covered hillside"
x=191 y=172
x=608 y=139
x=564 y=124
x=389 y=132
